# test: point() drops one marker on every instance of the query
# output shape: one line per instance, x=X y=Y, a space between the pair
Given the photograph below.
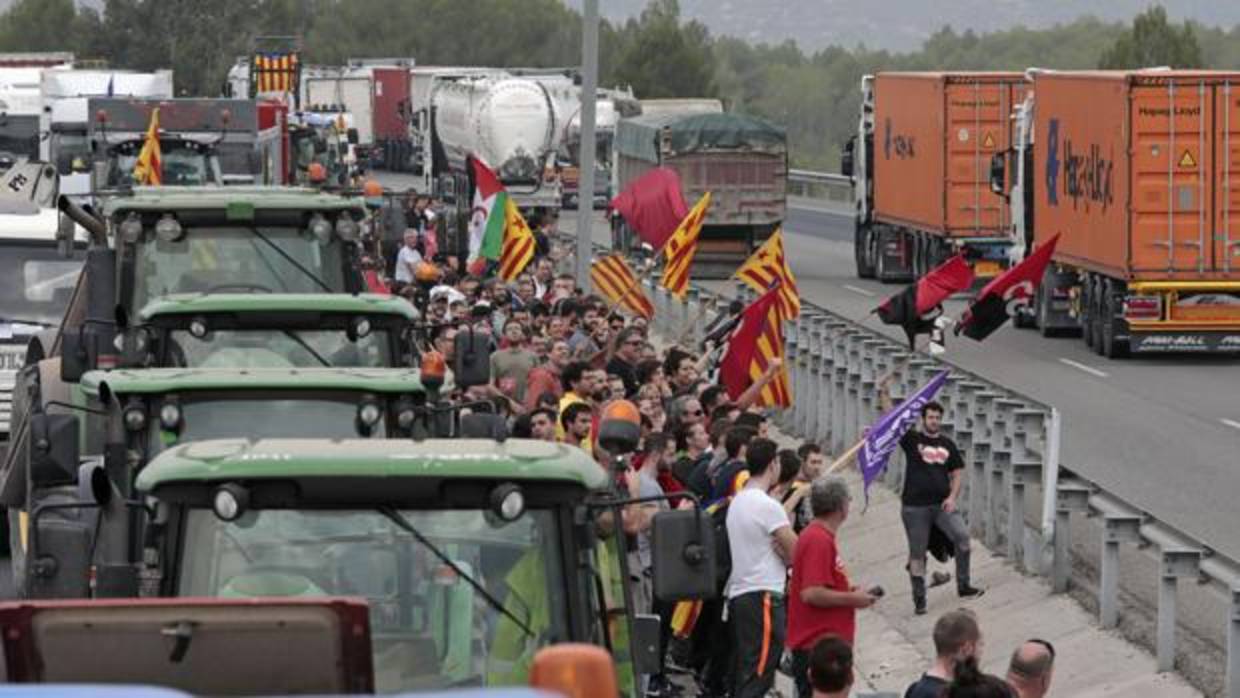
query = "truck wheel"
x=1043 y=307
x=861 y=251
x=1111 y=347
x=1087 y=311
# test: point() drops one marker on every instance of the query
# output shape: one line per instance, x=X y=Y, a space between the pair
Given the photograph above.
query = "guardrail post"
x=1176 y=563
x=1117 y=528
x=870 y=376
x=1023 y=473
x=985 y=445
x=852 y=403
x=1233 y=646
x=821 y=372
x=839 y=391
x=1069 y=498
x=811 y=382
x=787 y=419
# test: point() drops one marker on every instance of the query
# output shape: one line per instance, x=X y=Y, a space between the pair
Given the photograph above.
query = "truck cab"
x=472 y=554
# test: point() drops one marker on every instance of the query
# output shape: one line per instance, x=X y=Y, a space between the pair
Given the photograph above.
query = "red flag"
x=1005 y=293
x=758 y=340
x=653 y=205
x=907 y=307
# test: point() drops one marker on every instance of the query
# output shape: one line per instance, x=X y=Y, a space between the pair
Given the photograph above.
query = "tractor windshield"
x=431 y=629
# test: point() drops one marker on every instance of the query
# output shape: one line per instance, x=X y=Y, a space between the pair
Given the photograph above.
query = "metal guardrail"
x=1010 y=445
x=825 y=186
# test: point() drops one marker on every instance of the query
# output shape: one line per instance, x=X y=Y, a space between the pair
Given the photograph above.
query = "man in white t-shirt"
x=761 y=542
x=408 y=257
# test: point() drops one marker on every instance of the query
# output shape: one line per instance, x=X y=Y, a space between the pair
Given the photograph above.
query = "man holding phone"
x=821 y=598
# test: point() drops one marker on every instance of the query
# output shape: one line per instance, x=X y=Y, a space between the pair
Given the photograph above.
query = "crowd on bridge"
x=560 y=353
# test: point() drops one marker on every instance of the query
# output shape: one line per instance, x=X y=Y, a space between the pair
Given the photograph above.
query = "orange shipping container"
x=1140 y=172
x=934 y=135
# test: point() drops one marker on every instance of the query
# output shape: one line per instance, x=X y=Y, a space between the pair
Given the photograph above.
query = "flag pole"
x=845 y=459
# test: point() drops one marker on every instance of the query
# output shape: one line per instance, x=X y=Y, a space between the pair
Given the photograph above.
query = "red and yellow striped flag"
x=681 y=247
x=769 y=265
x=755 y=344
x=149 y=168
x=517 y=250
x=614 y=279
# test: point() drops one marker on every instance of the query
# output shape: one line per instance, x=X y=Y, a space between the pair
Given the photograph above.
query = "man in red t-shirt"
x=821 y=598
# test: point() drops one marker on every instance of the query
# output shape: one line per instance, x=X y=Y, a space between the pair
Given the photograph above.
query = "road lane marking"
x=862 y=291
x=1231 y=423
x=1088 y=369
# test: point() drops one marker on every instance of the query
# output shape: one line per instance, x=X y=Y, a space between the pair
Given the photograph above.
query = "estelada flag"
x=497 y=231
x=149 y=168
x=1007 y=292
x=768 y=266
x=681 y=248
x=908 y=307
x=757 y=341
x=653 y=206
x=614 y=279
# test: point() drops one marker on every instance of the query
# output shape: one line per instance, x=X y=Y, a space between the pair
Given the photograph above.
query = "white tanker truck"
x=510 y=124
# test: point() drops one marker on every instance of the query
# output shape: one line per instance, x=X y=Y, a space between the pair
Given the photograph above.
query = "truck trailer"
x=741 y=160
x=1136 y=172
x=920 y=165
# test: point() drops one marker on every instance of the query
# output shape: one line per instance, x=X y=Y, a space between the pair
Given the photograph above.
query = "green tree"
x=1152 y=41
x=660 y=57
x=39 y=25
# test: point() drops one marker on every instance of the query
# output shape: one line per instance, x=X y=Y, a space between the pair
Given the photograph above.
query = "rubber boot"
x=963 y=588
x=919 y=594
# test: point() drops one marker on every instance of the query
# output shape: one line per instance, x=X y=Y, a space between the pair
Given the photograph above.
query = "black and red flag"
x=909 y=308
x=1001 y=298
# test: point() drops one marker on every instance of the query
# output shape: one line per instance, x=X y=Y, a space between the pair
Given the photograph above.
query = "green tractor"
x=473 y=554
x=127 y=417
x=152 y=241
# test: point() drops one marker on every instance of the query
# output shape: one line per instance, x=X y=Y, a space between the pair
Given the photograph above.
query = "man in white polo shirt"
x=761 y=542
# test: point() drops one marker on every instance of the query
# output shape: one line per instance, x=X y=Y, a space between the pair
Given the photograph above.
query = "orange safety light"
x=434 y=368
x=575 y=670
x=316 y=172
x=620 y=427
x=372 y=189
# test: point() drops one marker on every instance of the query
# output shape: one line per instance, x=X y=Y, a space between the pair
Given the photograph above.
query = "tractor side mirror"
x=53 y=449
x=74 y=357
x=683 y=547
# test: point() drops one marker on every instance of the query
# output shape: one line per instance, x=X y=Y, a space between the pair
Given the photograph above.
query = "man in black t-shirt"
x=932 y=481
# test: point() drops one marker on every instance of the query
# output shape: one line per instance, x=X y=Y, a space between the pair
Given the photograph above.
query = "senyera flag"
x=149 y=168
x=1005 y=294
x=882 y=438
x=613 y=278
x=497 y=231
x=681 y=248
x=769 y=265
x=908 y=307
x=653 y=206
x=757 y=341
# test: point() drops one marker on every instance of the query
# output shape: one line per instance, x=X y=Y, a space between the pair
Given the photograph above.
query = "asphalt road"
x=1163 y=433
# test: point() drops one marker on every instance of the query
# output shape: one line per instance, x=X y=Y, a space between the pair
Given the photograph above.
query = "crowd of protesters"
x=559 y=354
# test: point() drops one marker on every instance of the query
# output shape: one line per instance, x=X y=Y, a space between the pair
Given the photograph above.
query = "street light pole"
x=585 y=171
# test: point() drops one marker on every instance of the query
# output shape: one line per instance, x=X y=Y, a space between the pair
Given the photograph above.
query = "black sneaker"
x=919 y=609
x=970 y=592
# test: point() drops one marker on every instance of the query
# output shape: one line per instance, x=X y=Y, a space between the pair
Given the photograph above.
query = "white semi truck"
x=66 y=116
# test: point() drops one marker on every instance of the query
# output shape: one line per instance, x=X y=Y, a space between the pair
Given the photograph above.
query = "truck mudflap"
x=1181 y=342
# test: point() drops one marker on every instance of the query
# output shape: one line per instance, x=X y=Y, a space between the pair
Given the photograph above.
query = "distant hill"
x=903 y=25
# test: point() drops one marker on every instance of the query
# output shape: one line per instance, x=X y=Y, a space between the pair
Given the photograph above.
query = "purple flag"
x=885 y=435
